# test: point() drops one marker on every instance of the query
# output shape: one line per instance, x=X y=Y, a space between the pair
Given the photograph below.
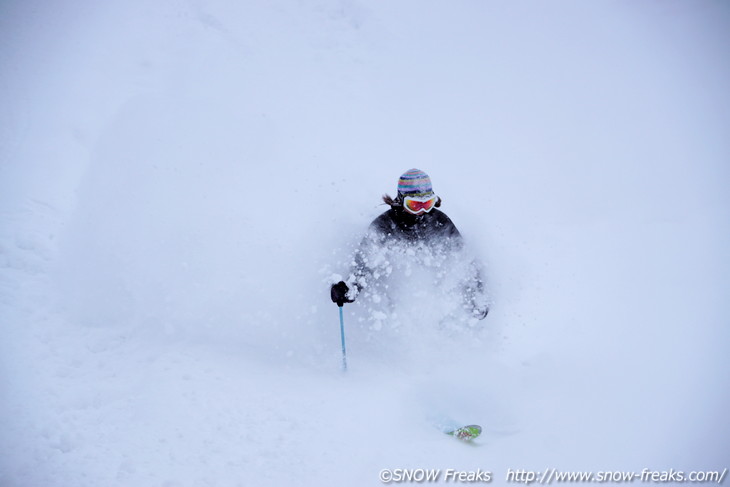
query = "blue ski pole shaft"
x=342 y=336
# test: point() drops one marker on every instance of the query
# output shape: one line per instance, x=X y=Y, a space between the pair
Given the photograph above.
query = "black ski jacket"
x=434 y=230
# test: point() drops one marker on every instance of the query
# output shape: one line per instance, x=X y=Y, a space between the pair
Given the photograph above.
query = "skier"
x=413 y=226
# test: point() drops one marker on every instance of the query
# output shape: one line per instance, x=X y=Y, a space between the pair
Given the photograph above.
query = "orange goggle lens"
x=419 y=205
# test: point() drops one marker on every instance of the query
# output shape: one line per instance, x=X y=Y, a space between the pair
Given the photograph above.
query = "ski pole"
x=342 y=336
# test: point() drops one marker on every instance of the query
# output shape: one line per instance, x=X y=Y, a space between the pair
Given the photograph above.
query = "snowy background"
x=179 y=179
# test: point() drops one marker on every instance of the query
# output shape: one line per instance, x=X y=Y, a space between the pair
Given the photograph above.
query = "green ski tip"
x=466 y=433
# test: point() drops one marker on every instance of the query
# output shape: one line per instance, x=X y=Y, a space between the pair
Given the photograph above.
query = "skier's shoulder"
x=443 y=226
x=385 y=222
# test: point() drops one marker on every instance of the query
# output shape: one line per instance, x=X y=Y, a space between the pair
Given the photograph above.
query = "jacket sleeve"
x=450 y=233
x=472 y=286
x=474 y=291
x=365 y=261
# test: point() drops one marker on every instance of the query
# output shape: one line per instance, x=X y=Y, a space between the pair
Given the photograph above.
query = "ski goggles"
x=419 y=204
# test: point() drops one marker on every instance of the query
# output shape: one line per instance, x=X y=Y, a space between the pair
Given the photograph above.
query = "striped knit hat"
x=415 y=183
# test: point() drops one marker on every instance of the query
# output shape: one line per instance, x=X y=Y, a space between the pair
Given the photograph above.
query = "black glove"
x=338 y=292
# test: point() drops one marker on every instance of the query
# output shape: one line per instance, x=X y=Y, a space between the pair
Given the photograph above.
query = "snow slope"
x=180 y=179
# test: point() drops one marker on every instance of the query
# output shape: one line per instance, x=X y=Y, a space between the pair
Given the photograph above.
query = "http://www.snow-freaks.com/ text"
x=549 y=476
